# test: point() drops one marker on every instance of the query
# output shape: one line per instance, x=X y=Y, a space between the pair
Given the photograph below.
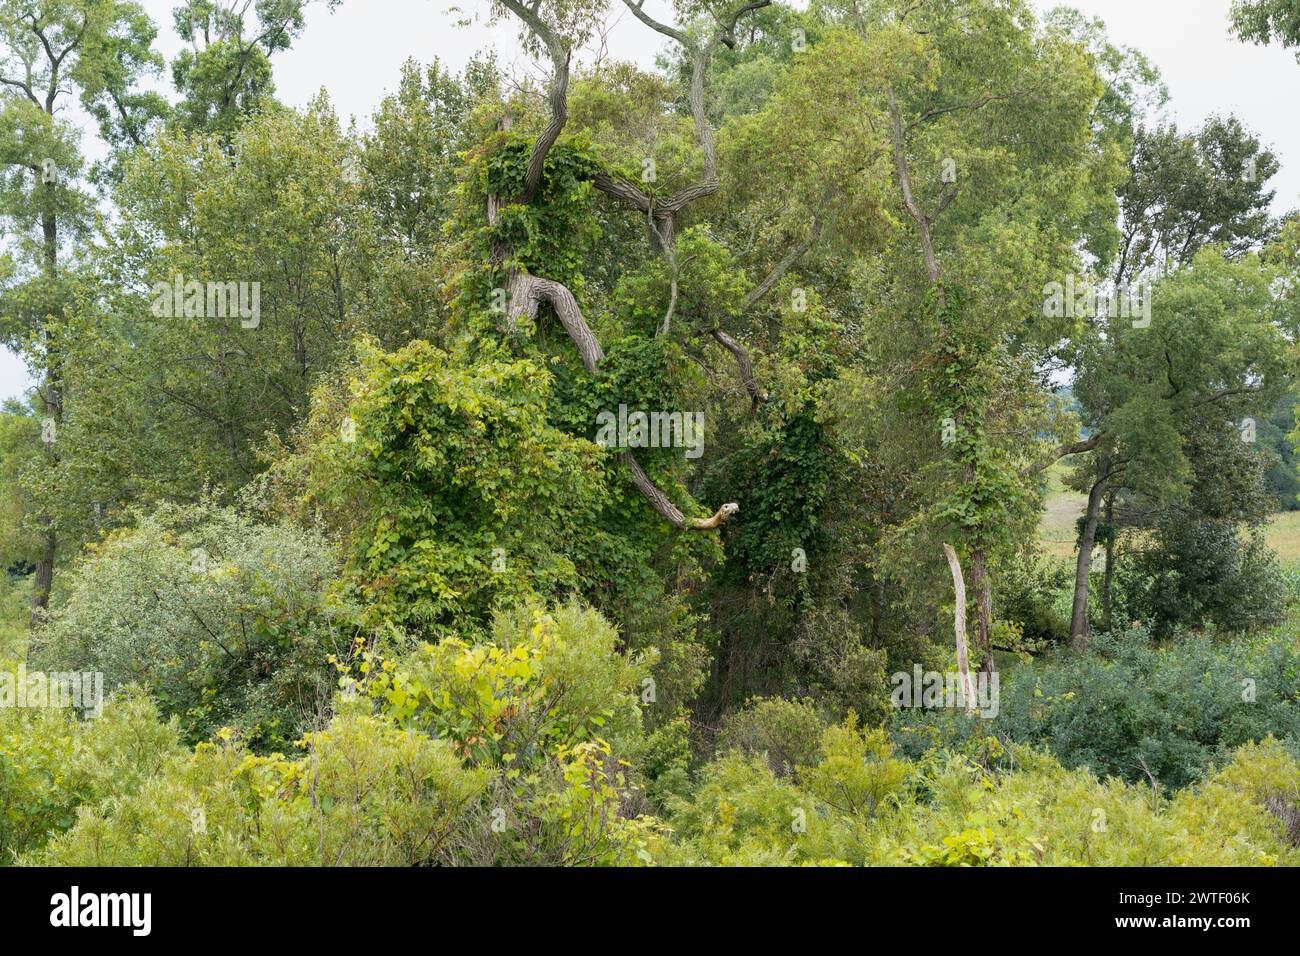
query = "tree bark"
x=1079 y=613
x=959 y=628
x=52 y=397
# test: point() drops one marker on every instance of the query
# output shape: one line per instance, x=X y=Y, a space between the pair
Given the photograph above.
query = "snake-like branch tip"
x=723 y=513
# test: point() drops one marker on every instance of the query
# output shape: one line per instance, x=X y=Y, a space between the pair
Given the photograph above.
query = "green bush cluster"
x=226 y=620
x=861 y=804
x=530 y=748
x=52 y=763
x=1135 y=710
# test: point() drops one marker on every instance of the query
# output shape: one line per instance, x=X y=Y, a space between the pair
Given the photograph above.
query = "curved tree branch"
x=1062 y=451
x=558 y=95
x=526 y=293
x=745 y=364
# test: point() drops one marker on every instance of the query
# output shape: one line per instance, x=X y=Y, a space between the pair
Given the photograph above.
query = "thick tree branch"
x=558 y=94
x=1062 y=451
x=526 y=293
x=785 y=265
x=745 y=364
x=923 y=222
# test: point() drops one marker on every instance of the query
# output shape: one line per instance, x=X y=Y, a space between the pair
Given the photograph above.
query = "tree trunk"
x=52 y=396
x=959 y=628
x=1079 y=614
x=983 y=586
x=1110 y=561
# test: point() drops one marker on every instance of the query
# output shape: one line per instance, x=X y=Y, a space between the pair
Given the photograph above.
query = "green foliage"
x=860 y=805
x=469 y=494
x=1203 y=574
x=1262 y=21
x=226 y=620
x=426 y=619
x=785 y=733
x=555 y=711
x=367 y=794
x=549 y=236
x=52 y=763
x=1135 y=711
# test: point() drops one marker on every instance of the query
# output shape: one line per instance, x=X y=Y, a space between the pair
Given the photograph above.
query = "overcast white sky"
x=356 y=53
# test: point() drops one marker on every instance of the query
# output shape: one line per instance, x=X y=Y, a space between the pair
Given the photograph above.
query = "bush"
x=1029 y=595
x=862 y=805
x=227 y=622
x=1203 y=574
x=1135 y=711
x=552 y=708
x=785 y=733
x=367 y=794
x=51 y=763
x=510 y=752
x=455 y=494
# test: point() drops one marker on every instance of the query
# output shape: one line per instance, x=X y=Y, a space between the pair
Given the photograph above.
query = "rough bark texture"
x=51 y=392
x=1109 y=574
x=983 y=586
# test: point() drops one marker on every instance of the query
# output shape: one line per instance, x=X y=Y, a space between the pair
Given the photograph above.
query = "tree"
x=48 y=50
x=1215 y=347
x=1266 y=21
x=1183 y=193
x=225 y=75
x=266 y=237
x=983 y=209
x=554 y=30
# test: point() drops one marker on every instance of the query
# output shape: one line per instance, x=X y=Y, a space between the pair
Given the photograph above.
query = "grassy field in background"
x=15 y=613
x=1058 y=529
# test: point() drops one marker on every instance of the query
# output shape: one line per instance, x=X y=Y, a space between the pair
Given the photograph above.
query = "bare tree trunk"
x=959 y=627
x=1079 y=613
x=44 y=576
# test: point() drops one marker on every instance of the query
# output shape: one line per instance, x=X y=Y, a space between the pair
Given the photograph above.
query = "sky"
x=356 y=53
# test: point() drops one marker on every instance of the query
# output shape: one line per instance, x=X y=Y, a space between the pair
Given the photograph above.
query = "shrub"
x=1136 y=711
x=366 y=794
x=226 y=621
x=460 y=498
x=1203 y=574
x=51 y=763
x=948 y=811
x=491 y=753
x=785 y=733
x=554 y=710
